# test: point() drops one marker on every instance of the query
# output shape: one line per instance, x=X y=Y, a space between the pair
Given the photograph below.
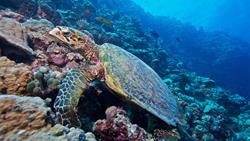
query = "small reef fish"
x=103 y=21
x=154 y=34
x=178 y=39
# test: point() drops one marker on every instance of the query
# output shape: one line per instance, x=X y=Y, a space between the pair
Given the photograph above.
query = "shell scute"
x=130 y=77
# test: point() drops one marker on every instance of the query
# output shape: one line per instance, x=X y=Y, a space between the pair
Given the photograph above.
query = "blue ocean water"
x=227 y=16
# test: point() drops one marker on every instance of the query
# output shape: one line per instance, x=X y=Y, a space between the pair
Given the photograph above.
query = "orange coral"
x=13 y=77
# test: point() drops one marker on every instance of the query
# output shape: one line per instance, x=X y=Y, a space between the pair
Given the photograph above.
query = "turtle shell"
x=134 y=80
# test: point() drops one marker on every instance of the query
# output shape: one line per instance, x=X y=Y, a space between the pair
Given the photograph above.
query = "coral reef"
x=10 y=14
x=117 y=127
x=39 y=64
x=20 y=115
x=28 y=118
x=200 y=50
x=58 y=133
x=12 y=33
x=45 y=82
x=206 y=108
x=14 y=77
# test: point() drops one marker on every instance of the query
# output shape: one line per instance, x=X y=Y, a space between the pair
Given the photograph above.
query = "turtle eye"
x=67 y=34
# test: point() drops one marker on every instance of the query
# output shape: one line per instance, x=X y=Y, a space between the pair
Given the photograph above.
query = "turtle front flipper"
x=73 y=85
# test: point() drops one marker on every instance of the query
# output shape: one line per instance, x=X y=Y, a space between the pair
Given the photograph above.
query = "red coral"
x=117 y=127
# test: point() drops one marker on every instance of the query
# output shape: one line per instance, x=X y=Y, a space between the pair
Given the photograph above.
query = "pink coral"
x=117 y=127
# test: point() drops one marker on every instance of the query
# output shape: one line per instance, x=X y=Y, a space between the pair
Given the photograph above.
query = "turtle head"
x=66 y=35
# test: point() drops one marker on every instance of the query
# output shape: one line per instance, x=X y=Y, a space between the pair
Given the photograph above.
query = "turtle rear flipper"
x=73 y=85
x=69 y=117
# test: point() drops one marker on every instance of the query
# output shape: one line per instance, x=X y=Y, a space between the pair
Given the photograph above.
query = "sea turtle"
x=125 y=74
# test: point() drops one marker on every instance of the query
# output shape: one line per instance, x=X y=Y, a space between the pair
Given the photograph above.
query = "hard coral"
x=29 y=119
x=13 y=77
x=57 y=133
x=47 y=12
x=38 y=28
x=117 y=127
x=13 y=37
x=10 y=14
x=45 y=82
x=21 y=113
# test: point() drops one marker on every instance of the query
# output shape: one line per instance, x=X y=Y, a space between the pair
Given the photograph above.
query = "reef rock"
x=28 y=118
x=13 y=77
x=117 y=127
x=20 y=115
x=38 y=29
x=58 y=133
x=13 y=37
x=10 y=14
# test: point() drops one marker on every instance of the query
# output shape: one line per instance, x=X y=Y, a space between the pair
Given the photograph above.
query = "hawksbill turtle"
x=124 y=73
